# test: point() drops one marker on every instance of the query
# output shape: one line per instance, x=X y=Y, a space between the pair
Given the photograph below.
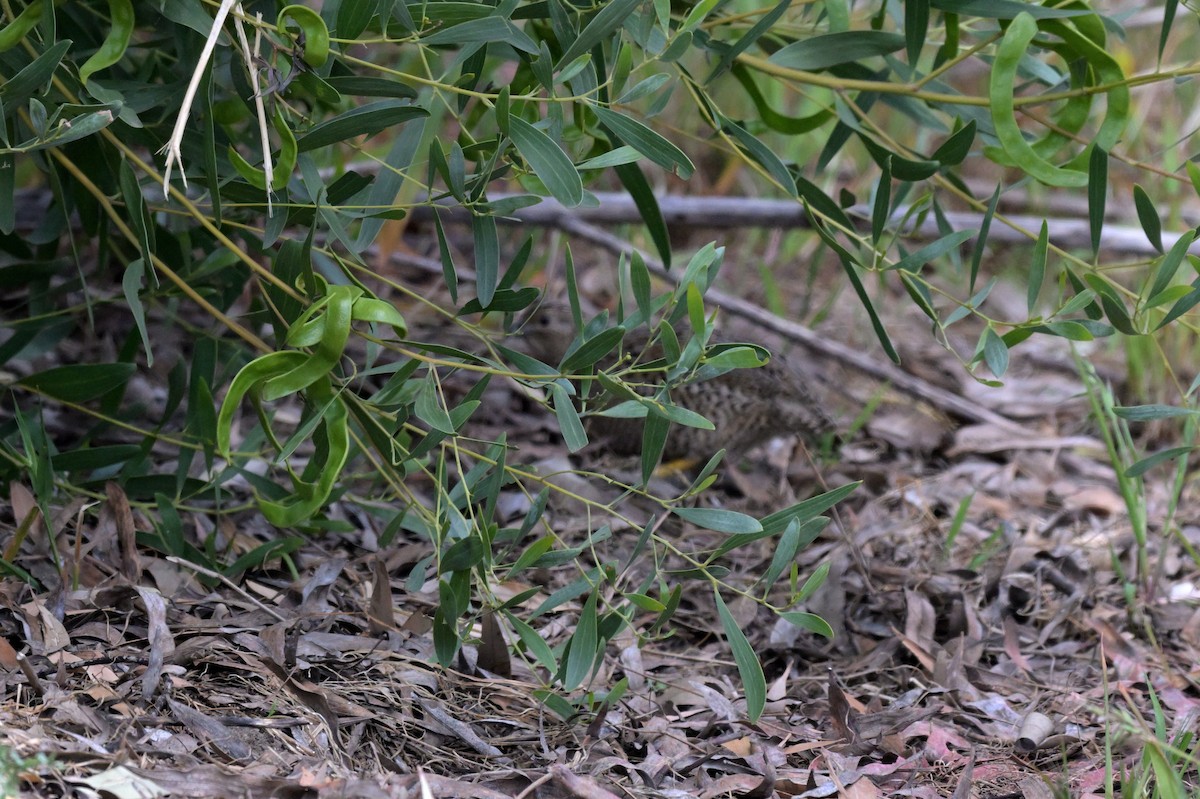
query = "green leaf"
x=367 y=86
x=808 y=621
x=760 y=153
x=484 y=31
x=1150 y=461
x=365 y=120
x=428 y=407
x=646 y=141
x=540 y=650
x=750 y=670
x=915 y=262
x=548 y=162
x=611 y=16
x=593 y=350
x=1002 y=88
x=81 y=382
x=1170 y=263
x=831 y=49
x=916 y=25
x=29 y=81
x=1148 y=216
x=654 y=441
x=1146 y=413
x=1097 y=194
x=719 y=519
x=954 y=150
x=751 y=36
x=883 y=201
x=1037 y=268
x=583 y=646
x=487 y=258
x=1005 y=9
x=568 y=419
x=634 y=181
x=995 y=353
x=464 y=554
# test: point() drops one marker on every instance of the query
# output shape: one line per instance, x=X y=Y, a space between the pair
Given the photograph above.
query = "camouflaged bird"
x=747 y=406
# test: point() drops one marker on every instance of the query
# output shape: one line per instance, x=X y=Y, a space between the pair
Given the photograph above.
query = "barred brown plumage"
x=746 y=406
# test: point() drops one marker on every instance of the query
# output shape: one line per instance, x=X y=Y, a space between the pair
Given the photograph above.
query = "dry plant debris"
x=1007 y=662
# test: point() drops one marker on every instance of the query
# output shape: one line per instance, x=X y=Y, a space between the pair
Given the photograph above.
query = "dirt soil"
x=996 y=634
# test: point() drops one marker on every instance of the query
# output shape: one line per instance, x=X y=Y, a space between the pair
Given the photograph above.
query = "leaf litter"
x=1004 y=661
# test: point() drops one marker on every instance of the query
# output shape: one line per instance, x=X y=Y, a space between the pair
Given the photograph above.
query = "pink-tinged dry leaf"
x=921 y=653
x=118 y=504
x=8 y=655
x=920 y=620
x=1012 y=645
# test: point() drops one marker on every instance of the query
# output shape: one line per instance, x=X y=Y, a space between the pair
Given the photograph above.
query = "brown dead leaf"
x=118 y=504
x=493 y=649
x=382 y=616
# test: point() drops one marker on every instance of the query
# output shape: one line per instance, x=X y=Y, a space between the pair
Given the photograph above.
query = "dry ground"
x=1008 y=659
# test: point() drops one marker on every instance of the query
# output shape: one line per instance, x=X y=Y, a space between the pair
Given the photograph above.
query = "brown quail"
x=746 y=406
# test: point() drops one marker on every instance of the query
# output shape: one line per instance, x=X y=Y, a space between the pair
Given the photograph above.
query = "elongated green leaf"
x=611 y=16
x=487 y=258
x=930 y=252
x=79 y=383
x=585 y=641
x=29 y=81
x=568 y=419
x=808 y=621
x=995 y=353
x=1150 y=461
x=793 y=126
x=762 y=155
x=533 y=642
x=367 y=86
x=1097 y=194
x=1148 y=216
x=646 y=141
x=429 y=409
x=1001 y=93
x=1037 y=268
x=749 y=669
x=365 y=120
x=916 y=25
x=1181 y=307
x=814 y=506
x=1005 y=9
x=719 y=519
x=548 y=162
x=954 y=150
x=484 y=31
x=750 y=37
x=1147 y=413
x=642 y=193
x=822 y=52
x=1170 y=263
x=654 y=440
x=883 y=201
